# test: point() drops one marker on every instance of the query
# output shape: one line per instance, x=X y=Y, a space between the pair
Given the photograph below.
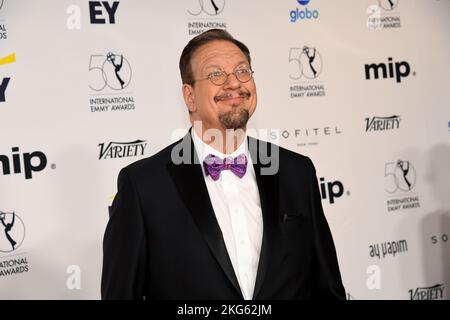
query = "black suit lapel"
x=268 y=187
x=188 y=178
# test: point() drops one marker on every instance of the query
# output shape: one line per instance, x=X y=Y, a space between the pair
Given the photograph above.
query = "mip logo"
x=4 y=84
x=112 y=70
x=14 y=231
x=208 y=7
x=308 y=62
x=388 y=5
x=31 y=162
x=303 y=14
x=400 y=175
x=392 y=70
x=331 y=190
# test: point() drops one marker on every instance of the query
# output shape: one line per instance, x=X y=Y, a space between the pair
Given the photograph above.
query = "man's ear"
x=189 y=97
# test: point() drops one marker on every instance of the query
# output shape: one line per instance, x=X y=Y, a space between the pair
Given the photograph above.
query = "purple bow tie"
x=214 y=165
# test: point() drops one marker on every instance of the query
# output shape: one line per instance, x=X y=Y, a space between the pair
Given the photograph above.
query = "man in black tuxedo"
x=219 y=215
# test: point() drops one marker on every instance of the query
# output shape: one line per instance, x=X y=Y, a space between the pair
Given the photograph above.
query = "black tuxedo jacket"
x=163 y=240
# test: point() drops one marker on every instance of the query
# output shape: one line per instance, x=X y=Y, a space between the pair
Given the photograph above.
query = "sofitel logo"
x=427 y=293
x=122 y=149
x=305 y=136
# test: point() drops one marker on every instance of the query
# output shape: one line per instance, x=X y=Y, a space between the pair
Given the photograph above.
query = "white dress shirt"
x=237 y=207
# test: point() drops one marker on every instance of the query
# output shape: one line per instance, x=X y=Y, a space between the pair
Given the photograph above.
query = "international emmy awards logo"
x=388 y=5
x=402 y=176
x=14 y=231
x=112 y=70
x=209 y=7
x=309 y=62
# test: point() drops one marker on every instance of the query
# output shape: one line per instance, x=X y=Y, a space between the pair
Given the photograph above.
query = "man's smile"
x=232 y=98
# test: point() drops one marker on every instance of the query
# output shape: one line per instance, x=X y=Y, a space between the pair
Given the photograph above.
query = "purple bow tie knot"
x=214 y=165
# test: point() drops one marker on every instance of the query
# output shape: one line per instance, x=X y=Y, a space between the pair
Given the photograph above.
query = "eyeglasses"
x=220 y=77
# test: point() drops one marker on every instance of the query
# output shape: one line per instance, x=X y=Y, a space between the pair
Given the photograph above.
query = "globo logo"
x=303 y=14
x=306 y=14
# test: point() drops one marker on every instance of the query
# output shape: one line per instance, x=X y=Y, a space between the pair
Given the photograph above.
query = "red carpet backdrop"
x=360 y=86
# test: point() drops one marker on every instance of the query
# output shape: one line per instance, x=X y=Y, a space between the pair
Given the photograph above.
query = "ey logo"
x=5 y=81
x=100 y=12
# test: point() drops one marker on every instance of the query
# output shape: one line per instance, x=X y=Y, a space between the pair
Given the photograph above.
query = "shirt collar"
x=203 y=149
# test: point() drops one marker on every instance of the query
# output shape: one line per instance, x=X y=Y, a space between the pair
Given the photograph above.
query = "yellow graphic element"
x=8 y=59
x=112 y=197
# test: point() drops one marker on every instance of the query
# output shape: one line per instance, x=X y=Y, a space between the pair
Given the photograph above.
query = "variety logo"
x=111 y=72
x=114 y=150
x=30 y=162
x=205 y=15
x=331 y=190
x=14 y=231
x=101 y=12
x=5 y=81
x=391 y=70
x=400 y=177
x=390 y=248
x=306 y=66
x=383 y=123
x=303 y=13
x=435 y=292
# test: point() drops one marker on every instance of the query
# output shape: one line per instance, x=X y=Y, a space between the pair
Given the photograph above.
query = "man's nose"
x=232 y=82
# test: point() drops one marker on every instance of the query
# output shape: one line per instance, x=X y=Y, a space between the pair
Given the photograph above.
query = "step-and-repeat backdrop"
x=360 y=86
